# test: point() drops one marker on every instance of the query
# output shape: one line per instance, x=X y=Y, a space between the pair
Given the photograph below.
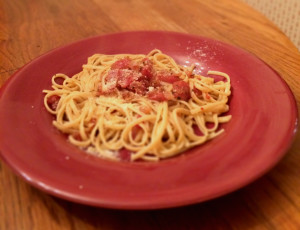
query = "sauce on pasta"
x=138 y=107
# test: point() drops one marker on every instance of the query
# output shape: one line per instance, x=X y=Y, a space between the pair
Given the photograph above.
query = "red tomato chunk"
x=181 y=90
x=140 y=78
x=167 y=76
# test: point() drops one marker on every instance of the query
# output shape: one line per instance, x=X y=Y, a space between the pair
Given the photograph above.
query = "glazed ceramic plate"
x=263 y=124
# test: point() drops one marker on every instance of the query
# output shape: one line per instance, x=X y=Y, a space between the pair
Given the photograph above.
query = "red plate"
x=264 y=121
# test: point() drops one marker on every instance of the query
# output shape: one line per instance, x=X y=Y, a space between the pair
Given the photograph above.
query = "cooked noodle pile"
x=138 y=107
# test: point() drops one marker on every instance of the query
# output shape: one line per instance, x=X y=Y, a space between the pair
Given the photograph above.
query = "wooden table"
x=30 y=27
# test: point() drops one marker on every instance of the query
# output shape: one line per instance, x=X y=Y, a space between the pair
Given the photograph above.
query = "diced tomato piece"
x=147 y=72
x=126 y=77
x=125 y=154
x=167 y=76
x=124 y=63
x=111 y=79
x=147 y=69
x=140 y=87
x=181 y=90
x=52 y=101
x=157 y=95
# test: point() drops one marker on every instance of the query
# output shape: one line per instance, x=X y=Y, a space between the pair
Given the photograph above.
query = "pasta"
x=138 y=107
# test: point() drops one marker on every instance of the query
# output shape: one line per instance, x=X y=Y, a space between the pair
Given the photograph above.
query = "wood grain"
x=30 y=28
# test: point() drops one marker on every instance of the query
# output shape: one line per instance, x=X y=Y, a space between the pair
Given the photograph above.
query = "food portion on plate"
x=134 y=107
